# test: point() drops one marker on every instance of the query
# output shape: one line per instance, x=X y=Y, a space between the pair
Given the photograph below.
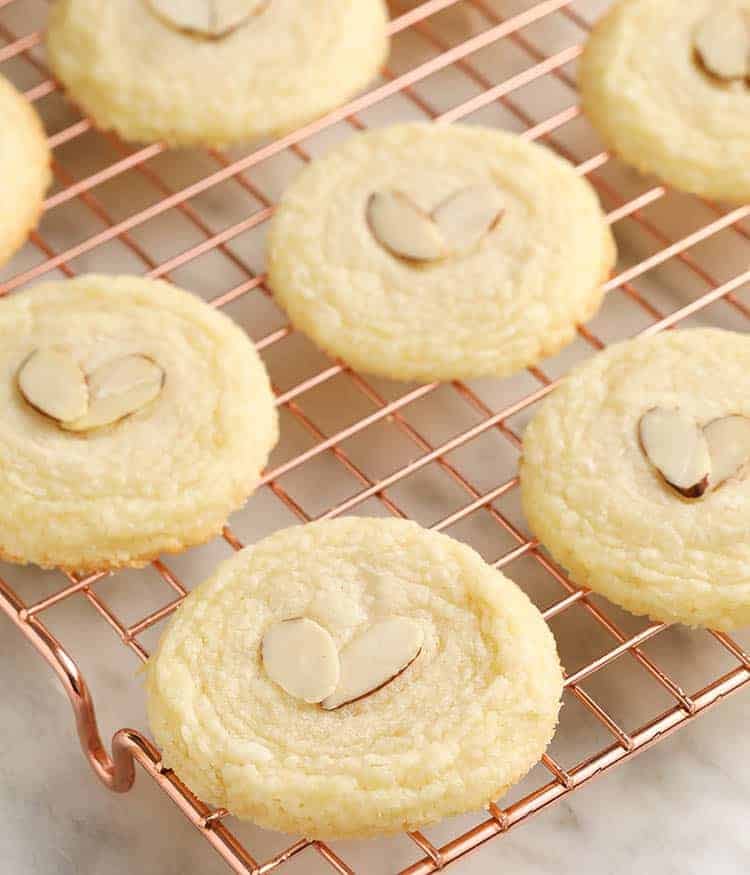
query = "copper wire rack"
x=444 y=454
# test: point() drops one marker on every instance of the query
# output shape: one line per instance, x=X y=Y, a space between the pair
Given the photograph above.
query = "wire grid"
x=447 y=38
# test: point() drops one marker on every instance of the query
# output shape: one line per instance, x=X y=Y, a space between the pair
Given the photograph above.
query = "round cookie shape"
x=24 y=169
x=135 y=419
x=471 y=709
x=660 y=81
x=659 y=533
x=213 y=72
x=436 y=252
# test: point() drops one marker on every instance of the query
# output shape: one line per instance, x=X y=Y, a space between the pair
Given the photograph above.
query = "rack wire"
x=444 y=454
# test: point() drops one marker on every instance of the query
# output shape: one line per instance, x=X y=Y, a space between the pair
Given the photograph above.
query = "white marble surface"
x=680 y=807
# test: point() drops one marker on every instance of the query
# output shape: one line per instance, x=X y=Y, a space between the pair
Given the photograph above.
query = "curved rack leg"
x=117 y=772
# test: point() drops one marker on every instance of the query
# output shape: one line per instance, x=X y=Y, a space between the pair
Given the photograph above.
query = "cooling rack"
x=445 y=455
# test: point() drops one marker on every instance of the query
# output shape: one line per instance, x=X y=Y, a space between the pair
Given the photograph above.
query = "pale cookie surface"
x=212 y=72
x=635 y=476
x=439 y=252
x=24 y=169
x=667 y=84
x=468 y=701
x=135 y=419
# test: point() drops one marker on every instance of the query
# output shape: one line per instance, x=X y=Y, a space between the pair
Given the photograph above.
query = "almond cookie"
x=213 y=72
x=634 y=476
x=135 y=419
x=435 y=252
x=667 y=85
x=24 y=169
x=354 y=677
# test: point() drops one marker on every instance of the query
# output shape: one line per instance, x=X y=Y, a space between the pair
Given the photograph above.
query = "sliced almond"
x=300 y=656
x=209 y=19
x=728 y=442
x=466 y=216
x=722 y=42
x=118 y=389
x=402 y=228
x=374 y=658
x=52 y=382
x=676 y=446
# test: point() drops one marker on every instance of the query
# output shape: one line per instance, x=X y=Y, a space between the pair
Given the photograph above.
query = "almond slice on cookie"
x=676 y=446
x=728 y=442
x=402 y=228
x=118 y=389
x=300 y=656
x=468 y=215
x=375 y=658
x=52 y=382
x=209 y=19
x=722 y=41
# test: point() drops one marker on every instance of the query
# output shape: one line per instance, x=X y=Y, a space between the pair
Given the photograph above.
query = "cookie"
x=435 y=252
x=135 y=419
x=24 y=169
x=354 y=677
x=213 y=72
x=634 y=476
x=667 y=85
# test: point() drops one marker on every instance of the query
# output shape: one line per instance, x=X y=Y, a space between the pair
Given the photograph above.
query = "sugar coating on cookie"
x=660 y=81
x=605 y=499
x=463 y=721
x=159 y=423
x=136 y=69
x=439 y=252
x=24 y=169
